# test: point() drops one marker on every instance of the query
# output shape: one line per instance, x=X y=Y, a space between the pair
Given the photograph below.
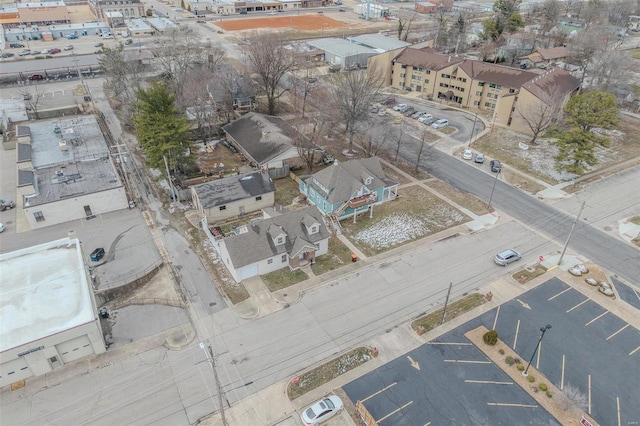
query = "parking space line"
x=488 y=382
x=451 y=343
x=618 y=404
x=379 y=392
x=461 y=361
x=634 y=351
x=495 y=320
x=562 y=375
x=589 y=401
x=617 y=332
x=597 y=318
x=515 y=337
x=394 y=411
x=579 y=304
x=558 y=294
x=504 y=404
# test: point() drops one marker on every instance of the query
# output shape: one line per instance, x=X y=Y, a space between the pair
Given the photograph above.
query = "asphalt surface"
x=457 y=385
x=627 y=293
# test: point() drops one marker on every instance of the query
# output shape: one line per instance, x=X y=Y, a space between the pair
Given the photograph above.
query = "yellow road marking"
x=597 y=318
x=515 y=338
x=501 y=404
x=467 y=362
x=562 y=292
x=634 y=351
x=413 y=363
x=617 y=332
x=379 y=392
x=578 y=305
x=394 y=411
x=490 y=382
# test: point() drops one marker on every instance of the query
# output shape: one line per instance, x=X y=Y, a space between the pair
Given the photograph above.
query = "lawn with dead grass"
x=338 y=255
x=462 y=199
x=529 y=273
x=286 y=191
x=455 y=309
x=283 y=278
x=415 y=214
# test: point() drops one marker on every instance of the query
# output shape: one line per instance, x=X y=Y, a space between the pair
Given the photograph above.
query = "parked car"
x=6 y=205
x=7 y=55
x=342 y=9
x=15 y=45
x=33 y=77
x=273 y=12
x=128 y=41
x=97 y=254
x=374 y=109
x=68 y=47
x=467 y=154
x=43 y=51
x=401 y=107
x=409 y=112
x=424 y=117
x=72 y=36
x=107 y=36
x=24 y=52
x=35 y=52
x=417 y=114
x=388 y=101
x=322 y=410
x=440 y=123
x=479 y=158
x=495 y=165
x=328 y=158
x=99 y=44
x=506 y=257
x=54 y=51
x=1 y=227
x=382 y=112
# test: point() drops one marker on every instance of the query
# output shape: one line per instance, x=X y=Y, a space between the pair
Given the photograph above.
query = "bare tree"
x=307 y=151
x=197 y=100
x=423 y=141
x=372 y=143
x=123 y=74
x=266 y=53
x=596 y=41
x=572 y=398
x=404 y=27
x=539 y=117
x=442 y=21
x=398 y=142
x=352 y=93
x=32 y=96
x=610 y=70
x=302 y=85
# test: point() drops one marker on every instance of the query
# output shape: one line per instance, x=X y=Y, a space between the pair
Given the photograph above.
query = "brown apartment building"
x=507 y=92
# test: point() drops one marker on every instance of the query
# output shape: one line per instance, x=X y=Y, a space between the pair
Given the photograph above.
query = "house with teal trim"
x=347 y=189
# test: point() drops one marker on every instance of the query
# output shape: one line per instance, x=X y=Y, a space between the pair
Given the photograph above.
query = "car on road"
x=1 y=227
x=479 y=158
x=7 y=55
x=68 y=47
x=107 y=36
x=409 y=112
x=506 y=257
x=15 y=45
x=6 y=205
x=34 y=77
x=495 y=165
x=54 y=51
x=342 y=9
x=24 y=52
x=440 y=123
x=467 y=154
x=401 y=107
x=97 y=254
x=322 y=410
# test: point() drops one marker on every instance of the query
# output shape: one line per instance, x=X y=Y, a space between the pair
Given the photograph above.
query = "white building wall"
x=73 y=208
x=239 y=207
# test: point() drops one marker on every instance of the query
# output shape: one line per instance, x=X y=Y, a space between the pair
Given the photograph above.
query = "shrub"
x=531 y=379
x=501 y=351
x=509 y=360
x=517 y=360
x=549 y=394
x=520 y=367
x=490 y=337
x=542 y=387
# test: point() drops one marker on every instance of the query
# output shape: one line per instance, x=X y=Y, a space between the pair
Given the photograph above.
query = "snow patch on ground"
x=399 y=228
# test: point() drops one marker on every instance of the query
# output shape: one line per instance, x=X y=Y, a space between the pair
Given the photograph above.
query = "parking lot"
x=449 y=381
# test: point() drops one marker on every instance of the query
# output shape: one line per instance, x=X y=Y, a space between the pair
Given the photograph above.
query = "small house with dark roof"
x=545 y=57
x=288 y=240
x=233 y=196
x=347 y=189
x=267 y=141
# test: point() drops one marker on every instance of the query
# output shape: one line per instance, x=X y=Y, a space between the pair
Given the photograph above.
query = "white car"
x=68 y=47
x=424 y=118
x=322 y=410
x=1 y=227
x=273 y=13
x=467 y=154
x=44 y=51
x=400 y=107
x=107 y=36
x=440 y=124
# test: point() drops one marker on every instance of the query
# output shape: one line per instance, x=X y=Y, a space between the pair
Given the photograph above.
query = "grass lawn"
x=448 y=130
x=286 y=191
x=455 y=309
x=635 y=219
x=415 y=214
x=283 y=278
x=635 y=53
x=327 y=372
x=338 y=255
x=467 y=201
x=527 y=274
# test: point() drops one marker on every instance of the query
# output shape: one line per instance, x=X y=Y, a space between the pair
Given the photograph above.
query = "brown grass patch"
x=462 y=199
x=455 y=309
x=299 y=22
x=527 y=274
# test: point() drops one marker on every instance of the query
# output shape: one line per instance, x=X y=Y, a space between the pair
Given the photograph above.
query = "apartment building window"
x=402 y=75
x=403 y=66
x=269 y=261
x=416 y=77
x=499 y=86
x=481 y=83
x=464 y=80
x=489 y=95
x=478 y=93
x=38 y=216
x=476 y=103
x=493 y=105
x=223 y=208
x=445 y=75
x=444 y=85
x=258 y=198
x=487 y=104
x=420 y=69
x=428 y=72
x=512 y=90
x=284 y=258
x=426 y=81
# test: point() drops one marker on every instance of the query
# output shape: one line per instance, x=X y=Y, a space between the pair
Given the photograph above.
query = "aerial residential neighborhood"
x=319 y=212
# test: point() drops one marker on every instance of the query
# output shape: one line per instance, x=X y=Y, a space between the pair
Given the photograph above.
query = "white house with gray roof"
x=233 y=196
x=288 y=240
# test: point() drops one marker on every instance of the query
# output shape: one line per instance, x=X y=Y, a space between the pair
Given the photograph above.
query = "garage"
x=74 y=349
x=248 y=272
x=15 y=370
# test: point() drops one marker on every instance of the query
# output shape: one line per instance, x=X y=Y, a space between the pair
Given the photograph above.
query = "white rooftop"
x=44 y=291
x=41 y=4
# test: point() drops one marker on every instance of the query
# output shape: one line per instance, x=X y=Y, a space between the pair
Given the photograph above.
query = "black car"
x=97 y=254
x=496 y=166
x=16 y=45
x=7 y=55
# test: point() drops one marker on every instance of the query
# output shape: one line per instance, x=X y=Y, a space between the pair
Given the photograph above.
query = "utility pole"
x=173 y=190
x=493 y=188
x=573 y=226
x=209 y=354
x=446 y=302
x=121 y=158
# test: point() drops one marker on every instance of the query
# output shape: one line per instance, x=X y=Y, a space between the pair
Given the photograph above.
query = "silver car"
x=322 y=410
x=506 y=257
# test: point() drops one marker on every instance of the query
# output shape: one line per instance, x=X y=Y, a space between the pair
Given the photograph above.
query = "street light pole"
x=543 y=330
x=493 y=188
